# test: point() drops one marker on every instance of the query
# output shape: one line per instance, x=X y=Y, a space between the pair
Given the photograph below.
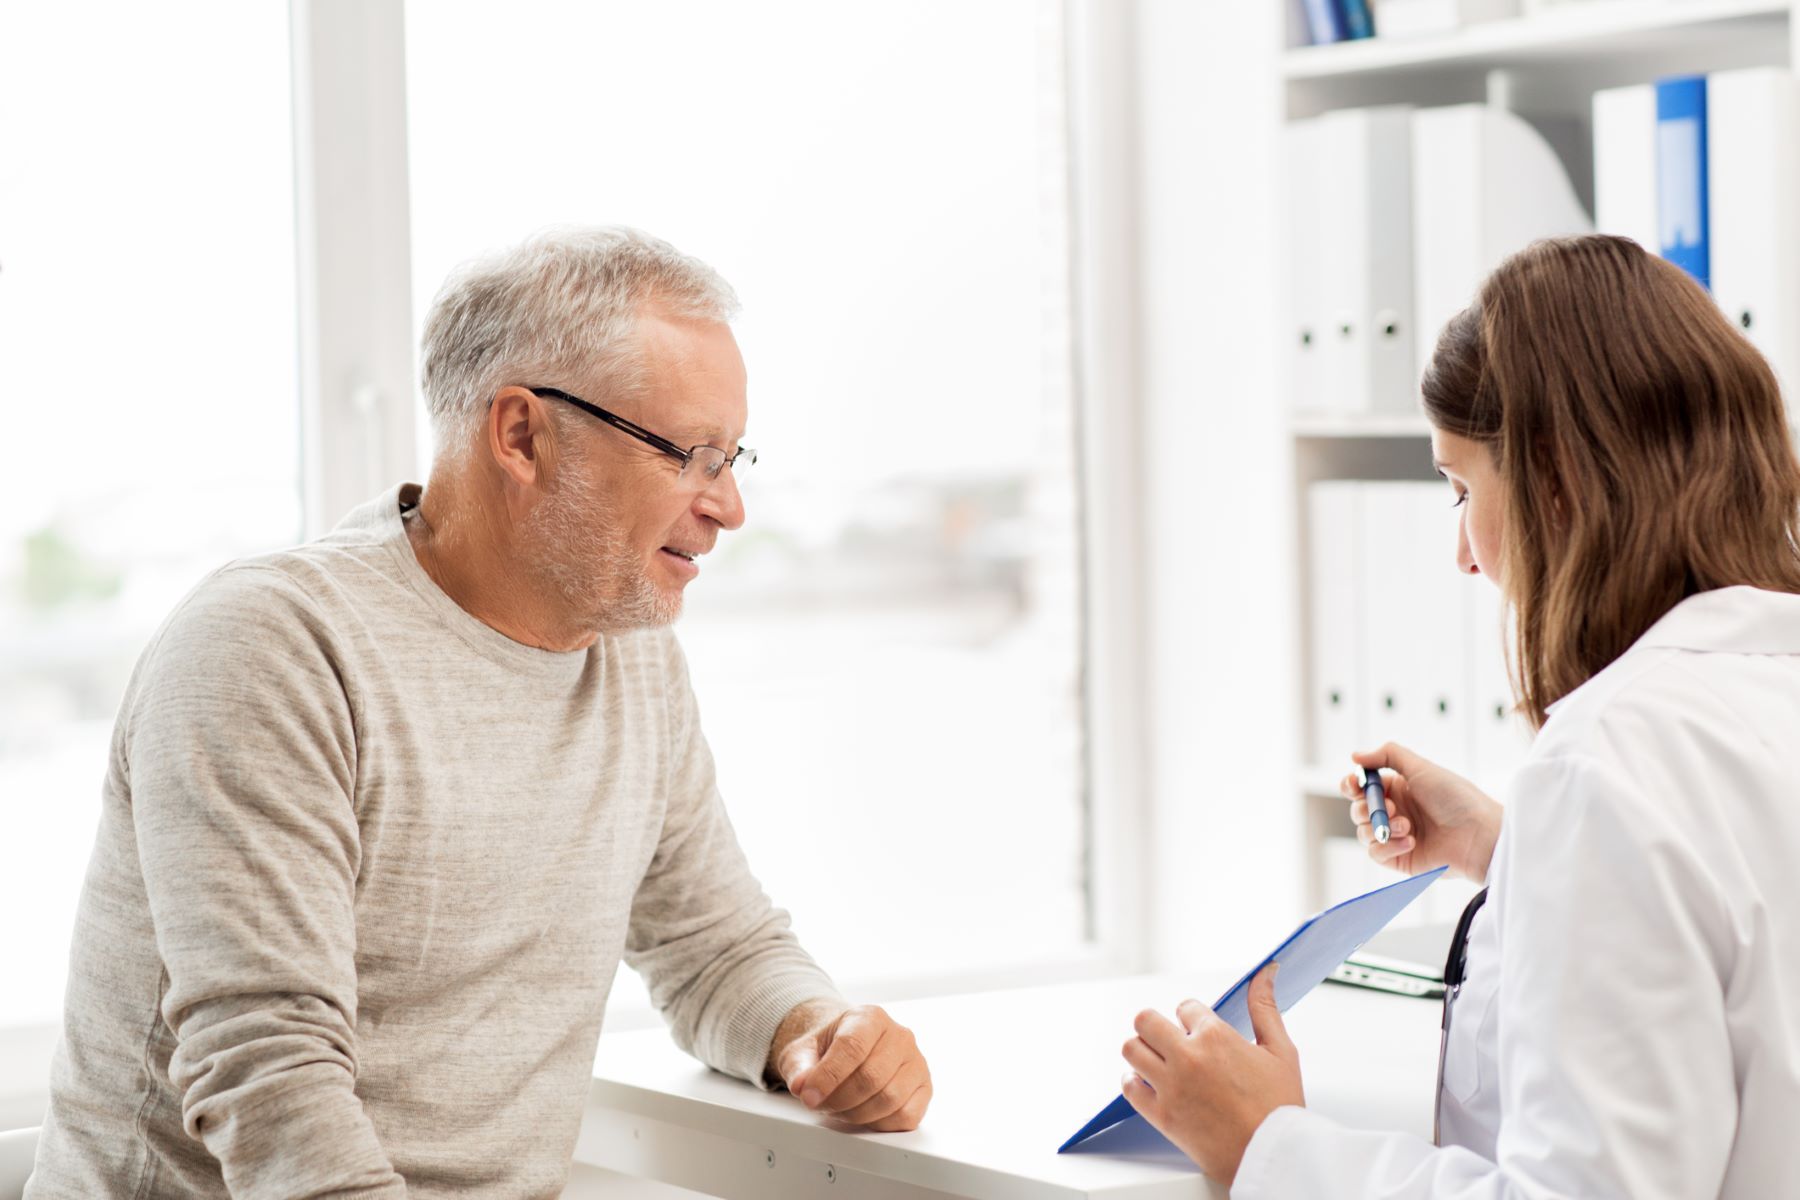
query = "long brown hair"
x=1641 y=442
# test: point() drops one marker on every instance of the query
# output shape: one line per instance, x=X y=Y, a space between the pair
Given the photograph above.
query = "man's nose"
x=721 y=501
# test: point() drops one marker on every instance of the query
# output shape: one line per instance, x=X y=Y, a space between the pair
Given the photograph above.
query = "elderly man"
x=384 y=811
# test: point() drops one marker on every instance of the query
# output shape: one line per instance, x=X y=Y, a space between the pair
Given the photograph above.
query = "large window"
x=147 y=364
x=888 y=654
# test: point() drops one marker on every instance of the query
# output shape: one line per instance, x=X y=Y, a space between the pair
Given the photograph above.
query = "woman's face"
x=1469 y=468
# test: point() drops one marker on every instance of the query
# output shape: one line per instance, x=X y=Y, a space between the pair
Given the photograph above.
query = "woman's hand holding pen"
x=1436 y=817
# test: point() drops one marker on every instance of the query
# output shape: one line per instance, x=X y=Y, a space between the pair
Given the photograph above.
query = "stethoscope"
x=1454 y=968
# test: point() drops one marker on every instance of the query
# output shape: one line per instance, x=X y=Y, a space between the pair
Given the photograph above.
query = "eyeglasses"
x=1454 y=968
x=700 y=465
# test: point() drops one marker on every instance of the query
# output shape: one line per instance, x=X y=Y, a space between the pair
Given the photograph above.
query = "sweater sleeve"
x=242 y=760
x=720 y=960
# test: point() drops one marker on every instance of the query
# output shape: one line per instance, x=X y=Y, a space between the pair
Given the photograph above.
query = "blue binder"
x=1683 y=214
x=1309 y=954
x=1359 y=22
x=1325 y=21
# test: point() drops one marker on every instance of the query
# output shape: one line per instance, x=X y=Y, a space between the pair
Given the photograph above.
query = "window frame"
x=358 y=381
x=352 y=210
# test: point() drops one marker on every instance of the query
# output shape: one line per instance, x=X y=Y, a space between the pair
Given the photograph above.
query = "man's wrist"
x=807 y=1014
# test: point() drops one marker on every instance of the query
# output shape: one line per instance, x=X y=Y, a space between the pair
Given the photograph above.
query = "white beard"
x=581 y=554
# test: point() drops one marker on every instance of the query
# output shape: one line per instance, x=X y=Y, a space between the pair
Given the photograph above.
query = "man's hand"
x=856 y=1064
x=1207 y=1089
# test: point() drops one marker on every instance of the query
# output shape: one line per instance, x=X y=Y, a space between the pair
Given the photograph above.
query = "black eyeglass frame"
x=655 y=440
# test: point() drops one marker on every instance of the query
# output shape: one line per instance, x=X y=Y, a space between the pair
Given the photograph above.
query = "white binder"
x=1335 y=583
x=1493 y=186
x=1396 y=642
x=1365 y=173
x=1444 y=611
x=1502 y=736
x=1305 y=217
x=1415 y=623
x=1625 y=164
x=1754 y=194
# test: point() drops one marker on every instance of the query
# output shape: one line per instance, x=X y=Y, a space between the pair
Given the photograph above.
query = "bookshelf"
x=1591 y=37
x=1544 y=68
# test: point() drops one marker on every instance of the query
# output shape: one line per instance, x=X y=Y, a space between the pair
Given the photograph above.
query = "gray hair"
x=559 y=310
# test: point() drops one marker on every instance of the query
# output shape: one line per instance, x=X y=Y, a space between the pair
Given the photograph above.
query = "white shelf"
x=1546 y=67
x=1589 y=32
x=1360 y=425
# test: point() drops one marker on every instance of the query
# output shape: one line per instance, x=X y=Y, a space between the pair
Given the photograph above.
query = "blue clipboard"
x=1309 y=954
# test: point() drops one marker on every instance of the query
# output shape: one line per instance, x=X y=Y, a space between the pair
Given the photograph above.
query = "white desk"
x=1015 y=1073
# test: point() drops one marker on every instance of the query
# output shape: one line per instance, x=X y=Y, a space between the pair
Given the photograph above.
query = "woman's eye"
x=1462 y=498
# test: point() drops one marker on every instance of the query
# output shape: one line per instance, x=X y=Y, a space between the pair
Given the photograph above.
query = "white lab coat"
x=1630 y=1024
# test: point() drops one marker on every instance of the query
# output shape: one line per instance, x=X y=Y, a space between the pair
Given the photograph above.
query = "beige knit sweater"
x=364 y=871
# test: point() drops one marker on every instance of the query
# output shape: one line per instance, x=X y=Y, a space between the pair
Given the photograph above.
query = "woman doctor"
x=1630 y=1021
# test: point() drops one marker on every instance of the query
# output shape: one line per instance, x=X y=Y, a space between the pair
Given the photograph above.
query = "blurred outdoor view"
x=888 y=655
x=147 y=362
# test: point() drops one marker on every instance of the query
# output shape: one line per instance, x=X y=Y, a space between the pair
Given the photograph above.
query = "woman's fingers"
x=1145 y=1061
x=1383 y=852
x=1393 y=756
x=1398 y=826
x=1401 y=835
x=1401 y=840
x=1395 y=848
x=1393 y=784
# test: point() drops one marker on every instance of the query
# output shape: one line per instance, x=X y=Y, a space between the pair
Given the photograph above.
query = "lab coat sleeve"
x=1616 y=1075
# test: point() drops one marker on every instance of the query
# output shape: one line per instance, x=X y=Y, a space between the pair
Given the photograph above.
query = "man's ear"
x=519 y=438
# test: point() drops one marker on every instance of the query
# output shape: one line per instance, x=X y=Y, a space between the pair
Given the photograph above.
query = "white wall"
x=1225 y=823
